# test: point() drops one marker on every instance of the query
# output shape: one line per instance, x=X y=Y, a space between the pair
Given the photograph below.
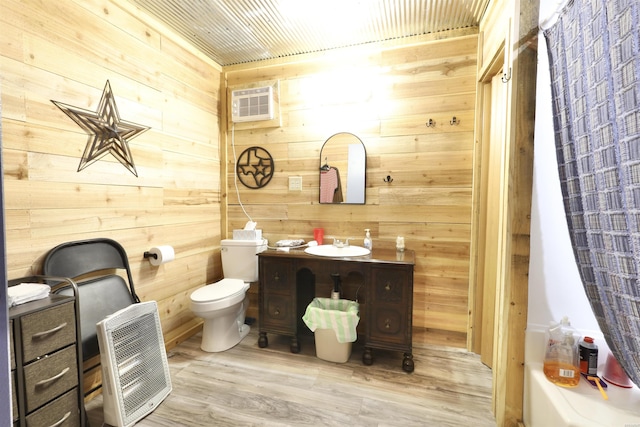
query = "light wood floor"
x=251 y=386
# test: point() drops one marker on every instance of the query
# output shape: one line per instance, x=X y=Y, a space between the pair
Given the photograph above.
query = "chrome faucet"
x=340 y=244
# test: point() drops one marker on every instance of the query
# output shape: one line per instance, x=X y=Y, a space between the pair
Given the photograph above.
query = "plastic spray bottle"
x=561 y=362
x=368 y=243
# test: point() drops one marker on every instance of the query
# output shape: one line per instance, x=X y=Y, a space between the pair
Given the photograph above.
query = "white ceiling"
x=238 y=31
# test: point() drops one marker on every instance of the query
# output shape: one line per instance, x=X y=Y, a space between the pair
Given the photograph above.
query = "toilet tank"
x=239 y=260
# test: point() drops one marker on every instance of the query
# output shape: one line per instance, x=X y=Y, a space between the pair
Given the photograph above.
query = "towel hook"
x=506 y=76
x=454 y=121
x=431 y=123
x=388 y=179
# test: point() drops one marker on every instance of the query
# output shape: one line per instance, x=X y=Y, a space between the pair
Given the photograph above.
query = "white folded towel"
x=25 y=292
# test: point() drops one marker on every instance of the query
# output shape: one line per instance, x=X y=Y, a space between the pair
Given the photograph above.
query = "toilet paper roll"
x=161 y=255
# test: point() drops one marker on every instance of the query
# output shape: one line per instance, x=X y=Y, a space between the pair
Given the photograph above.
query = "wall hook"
x=454 y=121
x=506 y=76
x=431 y=123
x=388 y=179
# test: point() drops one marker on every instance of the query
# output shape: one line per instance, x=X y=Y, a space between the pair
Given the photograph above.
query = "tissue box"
x=247 y=234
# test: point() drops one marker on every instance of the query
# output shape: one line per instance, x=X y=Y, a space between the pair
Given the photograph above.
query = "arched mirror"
x=343 y=164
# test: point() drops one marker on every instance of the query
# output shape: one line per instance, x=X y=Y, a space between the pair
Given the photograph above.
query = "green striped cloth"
x=341 y=315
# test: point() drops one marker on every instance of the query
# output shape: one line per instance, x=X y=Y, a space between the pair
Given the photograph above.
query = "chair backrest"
x=93 y=265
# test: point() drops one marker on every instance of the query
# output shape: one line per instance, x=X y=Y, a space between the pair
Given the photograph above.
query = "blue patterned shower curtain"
x=595 y=77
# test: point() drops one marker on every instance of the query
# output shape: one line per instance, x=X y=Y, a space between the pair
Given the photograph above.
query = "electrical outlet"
x=295 y=183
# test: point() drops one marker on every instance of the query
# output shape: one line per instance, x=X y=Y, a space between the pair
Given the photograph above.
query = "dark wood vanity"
x=381 y=282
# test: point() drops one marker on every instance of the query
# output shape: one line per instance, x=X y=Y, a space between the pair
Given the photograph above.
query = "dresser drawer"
x=390 y=285
x=279 y=313
x=62 y=412
x=389 y=326
x=275 y=277
x=14 y=398
x=48 y=330
x=50 y=376
x=11 y=346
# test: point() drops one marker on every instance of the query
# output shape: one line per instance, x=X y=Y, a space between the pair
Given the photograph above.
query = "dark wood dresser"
x=381 y=282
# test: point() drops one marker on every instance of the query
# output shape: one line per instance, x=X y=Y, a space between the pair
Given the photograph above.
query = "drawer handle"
x=53 y=378
x=277 y=312
x=62 y=420
x=387 y=286
x=50 y=331
x=387 y=324
x=276 y=277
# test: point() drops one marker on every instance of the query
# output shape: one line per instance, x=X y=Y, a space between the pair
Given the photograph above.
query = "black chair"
x=93 y=264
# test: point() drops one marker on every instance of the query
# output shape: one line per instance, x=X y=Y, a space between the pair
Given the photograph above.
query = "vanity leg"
x=262 y=340
x=407 y=363
x=295 y=345
x=367 y=357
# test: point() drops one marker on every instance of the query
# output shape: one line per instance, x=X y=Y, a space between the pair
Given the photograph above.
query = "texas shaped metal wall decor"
x=255 y=167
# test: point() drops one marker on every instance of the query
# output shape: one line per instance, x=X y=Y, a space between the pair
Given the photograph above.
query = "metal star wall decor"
x=108 y=133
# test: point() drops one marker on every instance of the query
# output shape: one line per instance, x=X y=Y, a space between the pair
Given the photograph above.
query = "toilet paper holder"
x=160 y=255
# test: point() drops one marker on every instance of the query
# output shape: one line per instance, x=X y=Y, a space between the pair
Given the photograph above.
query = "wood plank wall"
x=66 y=51
x=385 y=95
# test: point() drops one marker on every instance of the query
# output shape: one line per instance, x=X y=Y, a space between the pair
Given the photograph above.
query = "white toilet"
x=223 y=304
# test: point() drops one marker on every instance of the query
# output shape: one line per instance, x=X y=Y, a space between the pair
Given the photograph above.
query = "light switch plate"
x=295 y=183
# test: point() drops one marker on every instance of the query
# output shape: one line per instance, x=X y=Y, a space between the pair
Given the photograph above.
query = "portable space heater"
x=135 y=372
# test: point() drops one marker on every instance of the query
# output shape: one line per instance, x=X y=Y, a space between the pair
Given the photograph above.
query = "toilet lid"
x=225 y=288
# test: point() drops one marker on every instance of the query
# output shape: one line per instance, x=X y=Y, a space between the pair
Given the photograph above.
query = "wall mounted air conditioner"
x=135 y=372
x=248 y=105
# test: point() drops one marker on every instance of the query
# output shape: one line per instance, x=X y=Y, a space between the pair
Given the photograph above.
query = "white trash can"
x=328 y=348
x=333 y=322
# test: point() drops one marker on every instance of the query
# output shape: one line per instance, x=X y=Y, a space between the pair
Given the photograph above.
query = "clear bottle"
x=561 y=363
x=368 y=243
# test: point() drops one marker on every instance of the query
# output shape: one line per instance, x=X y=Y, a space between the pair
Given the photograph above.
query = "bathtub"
x=546 y=404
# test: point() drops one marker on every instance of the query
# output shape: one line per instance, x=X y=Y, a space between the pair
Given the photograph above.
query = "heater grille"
x=252 y=104
x=134 y=363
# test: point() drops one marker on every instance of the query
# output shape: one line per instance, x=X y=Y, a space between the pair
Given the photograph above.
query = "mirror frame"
x=324 y=162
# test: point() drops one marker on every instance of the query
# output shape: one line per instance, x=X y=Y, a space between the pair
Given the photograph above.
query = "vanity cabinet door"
x=391 y=305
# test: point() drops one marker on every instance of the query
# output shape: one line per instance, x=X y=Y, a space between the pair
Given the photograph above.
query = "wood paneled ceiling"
x=238 y=31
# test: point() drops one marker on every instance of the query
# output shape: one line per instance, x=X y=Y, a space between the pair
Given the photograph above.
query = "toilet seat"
x=219 y=295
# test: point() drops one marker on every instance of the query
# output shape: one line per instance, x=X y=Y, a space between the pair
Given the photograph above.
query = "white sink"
x=334 y=251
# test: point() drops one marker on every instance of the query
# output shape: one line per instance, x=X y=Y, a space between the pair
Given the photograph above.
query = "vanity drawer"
x=62 y=412
x=390 y=285
x=275 y=276
x=279 y=313
x=389 y=326
x=50 y=376
x=48 y=330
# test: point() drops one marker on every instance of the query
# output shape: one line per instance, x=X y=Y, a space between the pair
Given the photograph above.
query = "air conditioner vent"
x=248 y=105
